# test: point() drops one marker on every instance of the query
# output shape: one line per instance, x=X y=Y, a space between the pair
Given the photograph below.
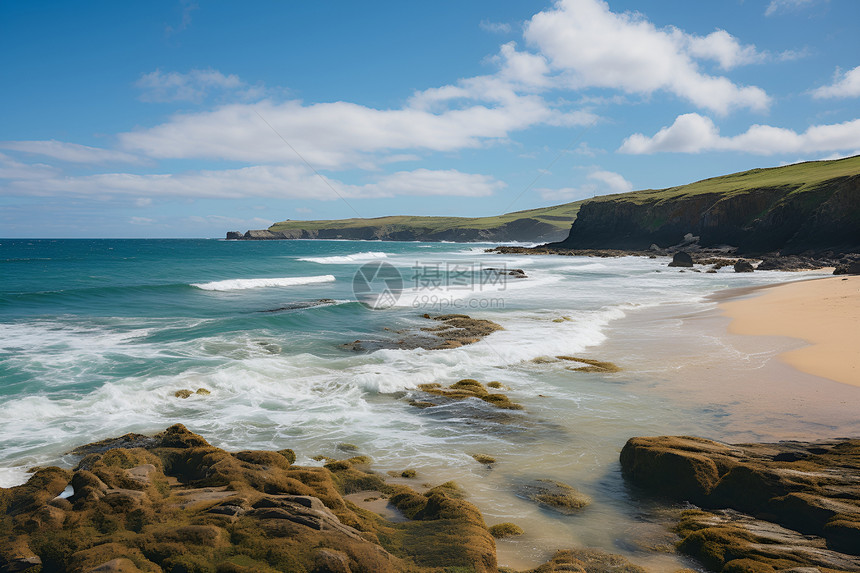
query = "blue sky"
x=190 y=119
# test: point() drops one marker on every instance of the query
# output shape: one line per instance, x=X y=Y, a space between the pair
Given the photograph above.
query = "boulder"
x=743 y=266
x=681 y=259
x=852 y=268
x=774 y=505
x=554 y=495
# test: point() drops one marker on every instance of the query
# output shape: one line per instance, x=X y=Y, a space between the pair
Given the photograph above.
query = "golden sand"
x=823 y=312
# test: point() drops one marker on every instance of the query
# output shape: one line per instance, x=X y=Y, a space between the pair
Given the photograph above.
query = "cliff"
x=534 y=225
x=806 y=207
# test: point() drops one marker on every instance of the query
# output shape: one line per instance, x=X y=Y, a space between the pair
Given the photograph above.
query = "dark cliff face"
x=761 y=220
x=525 y=230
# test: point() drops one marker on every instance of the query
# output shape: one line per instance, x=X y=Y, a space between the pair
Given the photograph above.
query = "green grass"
x=560 y=216
x=794 y=179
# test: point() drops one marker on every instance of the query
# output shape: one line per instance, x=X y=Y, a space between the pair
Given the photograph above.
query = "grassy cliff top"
x=560 y=216
x=795 y=178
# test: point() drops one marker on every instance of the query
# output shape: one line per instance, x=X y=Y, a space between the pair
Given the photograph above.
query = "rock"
x=681 y=467
x=119 y=565
x=21 y=564
x=180 y=504
x=681 y=259
x=790 y=263
x=330 y=561
x=142 y=473
x=454 y=331
x=183 y=393
x=234 y=235
x=743 y=266
x=127 y=441
x=484 y=459
x=590 y=561
x=554 y=495
x=502 y=530
x=852 y=268
x=591 y=364
x=469 y=388
x=806 y=490
x=724 y=537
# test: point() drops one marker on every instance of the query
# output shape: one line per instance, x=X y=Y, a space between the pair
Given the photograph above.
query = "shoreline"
x=823 y=313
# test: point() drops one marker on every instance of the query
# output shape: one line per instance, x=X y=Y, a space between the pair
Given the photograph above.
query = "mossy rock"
x=591 y=364
x=469 y=388
x=554 y=495
x=502 y=530
x=484 y=459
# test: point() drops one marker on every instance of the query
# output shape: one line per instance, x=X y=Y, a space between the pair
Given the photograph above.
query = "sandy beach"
x=823 y=312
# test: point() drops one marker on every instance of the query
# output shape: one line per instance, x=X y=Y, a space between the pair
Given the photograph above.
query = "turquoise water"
x=96 y=336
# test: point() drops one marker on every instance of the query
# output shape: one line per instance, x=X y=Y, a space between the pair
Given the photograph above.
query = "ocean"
x=97 y=336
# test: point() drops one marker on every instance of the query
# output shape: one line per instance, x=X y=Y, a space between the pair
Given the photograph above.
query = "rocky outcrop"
x=173 y=502
x=453 y=331
x=762 y=499
x=525 y=229
x=796 y=213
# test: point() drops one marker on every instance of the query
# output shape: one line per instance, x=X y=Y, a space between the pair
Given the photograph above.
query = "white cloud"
x=693 y=133
x=723 y=48
x=141 y=221
x=334 y=135
x=194 y=86
x=600 y=48
x=601 y=183
x=495 y=27
x=71 y=152
x=777 y=6
x=848 y=85
x=284 y=182
x=12 y=169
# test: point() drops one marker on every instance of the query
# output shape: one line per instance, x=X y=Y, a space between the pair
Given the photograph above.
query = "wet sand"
x=824 y=313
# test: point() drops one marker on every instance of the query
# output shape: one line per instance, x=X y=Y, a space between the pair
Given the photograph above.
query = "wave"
x=242 y=284
x=346 y=259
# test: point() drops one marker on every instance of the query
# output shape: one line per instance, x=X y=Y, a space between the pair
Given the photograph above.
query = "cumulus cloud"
x=844 y=85
x=781 y=6
x=71 y=152
x=599 y=48
x=721 y=47
x=693 y=133
x=600 y=183
x=193 y=86
x=283 y=182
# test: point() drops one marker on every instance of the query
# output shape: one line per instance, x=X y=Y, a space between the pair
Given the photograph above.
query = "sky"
x=191 y=119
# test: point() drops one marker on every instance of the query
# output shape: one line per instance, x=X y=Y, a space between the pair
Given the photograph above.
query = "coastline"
x=824 y=313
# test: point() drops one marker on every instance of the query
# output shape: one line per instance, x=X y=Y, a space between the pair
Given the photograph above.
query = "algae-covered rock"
x=502 y=530
x=791 y=504
x=469 y=388
x=179 y=504
x=554 y=495
x=591 y=365
x=588 y=561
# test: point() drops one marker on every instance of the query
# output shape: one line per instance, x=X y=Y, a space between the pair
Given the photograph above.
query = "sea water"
x=97 y=336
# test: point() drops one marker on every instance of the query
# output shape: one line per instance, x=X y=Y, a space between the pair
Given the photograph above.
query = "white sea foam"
x=346 y=259
x=242 y=284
